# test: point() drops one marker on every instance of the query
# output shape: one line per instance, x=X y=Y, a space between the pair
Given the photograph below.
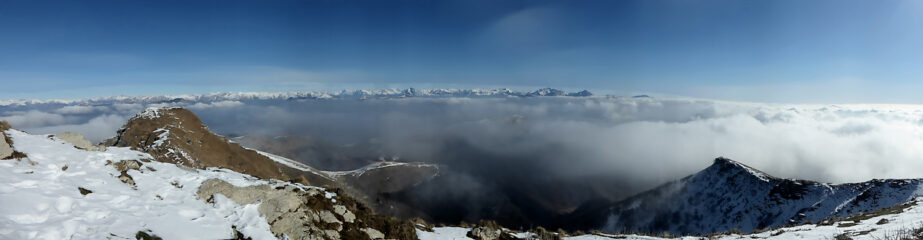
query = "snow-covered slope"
x=729 y=195
x=42 y=197
x=903 y=221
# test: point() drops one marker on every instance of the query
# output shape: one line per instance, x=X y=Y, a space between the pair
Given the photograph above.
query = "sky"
x=762 y=51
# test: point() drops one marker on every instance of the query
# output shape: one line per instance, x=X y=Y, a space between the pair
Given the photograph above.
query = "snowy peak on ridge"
x=730 y=195
x=729 y=168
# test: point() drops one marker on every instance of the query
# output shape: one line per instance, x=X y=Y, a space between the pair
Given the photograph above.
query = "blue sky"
x=768 y=51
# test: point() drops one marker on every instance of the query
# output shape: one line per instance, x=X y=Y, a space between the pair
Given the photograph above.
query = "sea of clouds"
x=642 y=141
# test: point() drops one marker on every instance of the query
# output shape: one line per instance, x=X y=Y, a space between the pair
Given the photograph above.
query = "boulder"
x=484 y=233
x=489 y=230
x=341 y=210
x=6 y=150
x=79 y=141
x=126 y=165
x=307 y=213
x=373 y=234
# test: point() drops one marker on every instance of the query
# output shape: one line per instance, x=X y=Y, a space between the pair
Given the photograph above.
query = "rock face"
x=79 y=141
x=6 y=148
x=306 y=213
x=729 y=195
x=178 y=136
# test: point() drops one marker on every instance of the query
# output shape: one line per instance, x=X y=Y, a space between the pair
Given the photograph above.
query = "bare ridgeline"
x=726 y=197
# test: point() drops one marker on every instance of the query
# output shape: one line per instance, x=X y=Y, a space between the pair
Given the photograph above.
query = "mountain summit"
x=176 y=135
x=730 y=195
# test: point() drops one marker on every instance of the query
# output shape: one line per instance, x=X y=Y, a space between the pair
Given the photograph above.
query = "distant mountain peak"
x=731 y=195
x=723 y=165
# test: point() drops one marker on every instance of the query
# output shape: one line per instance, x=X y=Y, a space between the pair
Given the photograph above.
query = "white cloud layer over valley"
x=641 y=141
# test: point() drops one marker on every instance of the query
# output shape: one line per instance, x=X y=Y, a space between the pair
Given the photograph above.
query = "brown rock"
x=4 y=125
x=79 y=141
x=125 y=165
x=6 y=151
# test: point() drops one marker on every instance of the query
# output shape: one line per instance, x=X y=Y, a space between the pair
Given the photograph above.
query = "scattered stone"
x=328 y=217
x=125 y=165
x=332 y=234
x=79 y=141
x=421 y=224
x=484 y=233
x=84 y=191
x=488 y=230
x=145 y=236
x=540 y=233
x=373 y=234
x=64 y=168
x=125 y=178
x=882 y=221
x=345 y=213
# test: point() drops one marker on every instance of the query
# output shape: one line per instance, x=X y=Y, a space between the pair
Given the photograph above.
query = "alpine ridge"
x=729 y=195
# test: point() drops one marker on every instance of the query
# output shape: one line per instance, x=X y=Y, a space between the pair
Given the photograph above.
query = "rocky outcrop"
x=6 y=148
x=123 y=167
x=308 y=213
x=79 y=141
x=176 y=135
x=6 y=144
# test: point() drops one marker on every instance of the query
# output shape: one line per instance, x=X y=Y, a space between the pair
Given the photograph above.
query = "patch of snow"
x=360 y=171
x=908 y=220
x=444 y=233
x=292 y=163
x=150 y=113
x=162 y=137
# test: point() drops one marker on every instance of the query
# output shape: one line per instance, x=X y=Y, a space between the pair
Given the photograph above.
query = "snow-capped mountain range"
x=299 y=95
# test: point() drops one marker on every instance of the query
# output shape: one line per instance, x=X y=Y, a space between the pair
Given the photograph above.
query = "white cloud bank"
x=644 y=140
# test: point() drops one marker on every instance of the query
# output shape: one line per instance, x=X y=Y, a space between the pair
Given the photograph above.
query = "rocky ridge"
x=177 y=135
x=729 y=195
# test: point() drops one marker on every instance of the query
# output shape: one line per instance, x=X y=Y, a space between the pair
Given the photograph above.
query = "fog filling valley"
x=561 y=152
